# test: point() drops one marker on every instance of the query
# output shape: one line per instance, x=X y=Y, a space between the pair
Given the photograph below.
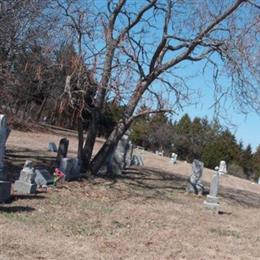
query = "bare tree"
x=138 y=48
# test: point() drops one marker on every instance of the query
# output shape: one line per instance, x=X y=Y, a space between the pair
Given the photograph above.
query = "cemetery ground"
x=143 y=214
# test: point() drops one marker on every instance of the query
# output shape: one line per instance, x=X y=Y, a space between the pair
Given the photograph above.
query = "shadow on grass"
x=148 y=183
x=16 y=209
x=27 y=197
x=15 y=159
x=241 y=197
x=154 y=183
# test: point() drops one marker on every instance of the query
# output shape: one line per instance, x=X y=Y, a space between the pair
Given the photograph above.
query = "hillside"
x=144 y=214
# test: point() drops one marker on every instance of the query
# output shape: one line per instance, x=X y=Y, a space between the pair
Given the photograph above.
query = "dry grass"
x=144 y=214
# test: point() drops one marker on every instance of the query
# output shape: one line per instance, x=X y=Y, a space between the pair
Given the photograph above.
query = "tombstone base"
x=211 y=205
x=5 y=191
x=25 y=188
x=212 y=199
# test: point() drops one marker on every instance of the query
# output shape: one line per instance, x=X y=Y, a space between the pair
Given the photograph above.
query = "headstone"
x=222 y=168
x=5 y=186
x=52 y=147
x=119 y=159
x=26 y=183
x=259 y=180
x=63 y=149
x=160 y=153
x=212 y=198
x=43 y=178
x=71 y=168
x=194 y=184
x=137 y=160
x=128 y=154
x=174 y=158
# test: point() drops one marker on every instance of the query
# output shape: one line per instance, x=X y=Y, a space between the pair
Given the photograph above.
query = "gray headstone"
x=43 y=177
x=4 y=133
x=5 y=186
x=194 y=184
x=52 y=147
x=212 y=198
x=5 y=191
x=119 y=159
x=129 y=154
x=26 y=183
x=71 y=168
x=137 y=160
x=63 y=149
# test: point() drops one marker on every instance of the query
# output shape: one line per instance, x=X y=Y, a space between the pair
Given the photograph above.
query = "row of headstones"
x=121 y=158
x=195 y=184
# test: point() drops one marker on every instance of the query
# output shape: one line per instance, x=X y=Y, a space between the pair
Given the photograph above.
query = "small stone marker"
x=222 y=168
x=26 y=183
x=212 y=198
x=194 y=184
x=43 y=178
x=259 y=180
x=63 y=149
x=71 y=168
x=174 y=158
x=5 y=186
x=52 y=147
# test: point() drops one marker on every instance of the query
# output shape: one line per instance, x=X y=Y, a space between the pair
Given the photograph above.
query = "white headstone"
x=26 y=183
x=222 y=167
x=174 y=158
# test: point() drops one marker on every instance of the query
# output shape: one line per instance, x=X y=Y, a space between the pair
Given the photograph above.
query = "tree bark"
x=90 y=140
x=39 y=114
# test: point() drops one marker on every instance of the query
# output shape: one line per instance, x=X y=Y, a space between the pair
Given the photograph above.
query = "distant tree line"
x=197 y=139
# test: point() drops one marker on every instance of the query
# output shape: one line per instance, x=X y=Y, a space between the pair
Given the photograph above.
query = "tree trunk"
x=108 y=147
x=90 y=140
x=39 y=114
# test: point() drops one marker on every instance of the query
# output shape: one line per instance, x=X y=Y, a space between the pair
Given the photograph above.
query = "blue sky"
x=246 y=127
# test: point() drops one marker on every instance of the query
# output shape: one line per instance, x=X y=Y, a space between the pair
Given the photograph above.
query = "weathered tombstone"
x=174 y=158
x=128 y=154
x=26 y=183
x=119 y=159
x=259 y=180
x=63 y=149
x=194 y=184
x=212 y=198
x=5 y=186
x=137 y=160
x=71 y=168
x=222 y=168
x=52 y=147
x=43 y=178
